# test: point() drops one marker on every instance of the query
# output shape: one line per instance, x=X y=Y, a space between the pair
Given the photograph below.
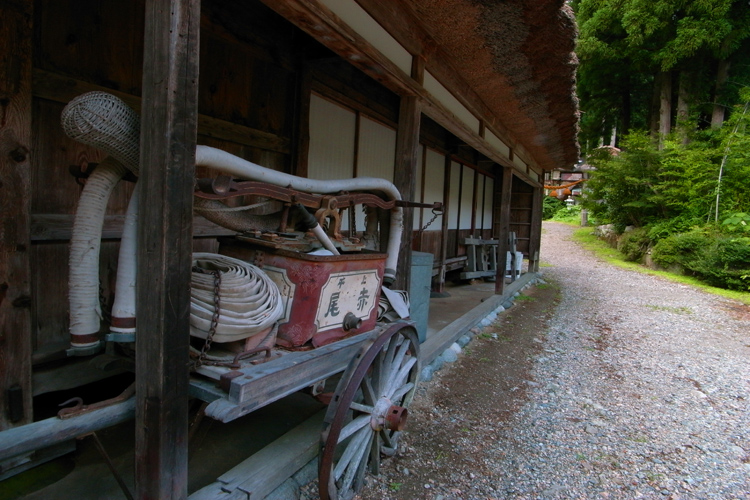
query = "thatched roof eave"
x=519 y=58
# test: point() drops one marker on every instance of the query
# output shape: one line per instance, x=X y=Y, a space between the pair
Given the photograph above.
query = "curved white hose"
x=123 y=309
x=207 y=156
x=85 y=242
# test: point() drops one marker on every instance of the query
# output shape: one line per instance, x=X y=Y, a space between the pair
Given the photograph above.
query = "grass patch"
x=587 y=240
x=676 y=310
x=523 y=297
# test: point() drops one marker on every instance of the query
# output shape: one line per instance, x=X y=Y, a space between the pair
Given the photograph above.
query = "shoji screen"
x=332 y=129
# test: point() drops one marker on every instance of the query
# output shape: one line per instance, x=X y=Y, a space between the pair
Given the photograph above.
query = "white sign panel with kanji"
x=350 y=292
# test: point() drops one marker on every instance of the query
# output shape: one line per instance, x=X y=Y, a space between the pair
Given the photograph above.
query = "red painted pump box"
x=326 y=297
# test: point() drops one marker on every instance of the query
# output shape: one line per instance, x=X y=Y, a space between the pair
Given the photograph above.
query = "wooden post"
x=404 y=177
x=501 y=225
x=444 y=226
x=304 y=94
x=168 y=140
x=15 y=197
x=535 y=240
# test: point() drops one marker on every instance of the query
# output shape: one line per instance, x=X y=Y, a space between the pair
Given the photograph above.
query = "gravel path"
x=644 y=389
x=641 y=390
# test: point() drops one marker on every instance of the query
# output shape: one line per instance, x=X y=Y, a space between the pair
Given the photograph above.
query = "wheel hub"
x=388 y=416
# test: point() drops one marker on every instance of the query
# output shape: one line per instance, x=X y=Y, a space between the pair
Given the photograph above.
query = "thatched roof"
x=518 y=56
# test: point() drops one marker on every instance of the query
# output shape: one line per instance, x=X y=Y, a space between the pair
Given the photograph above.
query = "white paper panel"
x=443 y=95
x=467 y=197
x=377 y=153
x=331 y=153
x=497 y=143
x=369 y=29
x=377 y=150
x=433 y=186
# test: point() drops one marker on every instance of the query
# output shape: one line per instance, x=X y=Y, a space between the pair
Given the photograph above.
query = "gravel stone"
x=449 y=356
x=641 y=390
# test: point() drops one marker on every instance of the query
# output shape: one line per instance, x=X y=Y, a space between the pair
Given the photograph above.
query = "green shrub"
x=726 y=264
x=551 y=207
x=634 y=244
x=721 y=261
x=738 y=223
x=681 y=249
x=664 y=228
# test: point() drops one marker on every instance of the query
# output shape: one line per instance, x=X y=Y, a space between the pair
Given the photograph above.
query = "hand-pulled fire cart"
x=286 y=304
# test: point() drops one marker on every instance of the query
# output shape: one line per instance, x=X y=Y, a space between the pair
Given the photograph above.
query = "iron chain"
x=435 y=214
x=214 y=319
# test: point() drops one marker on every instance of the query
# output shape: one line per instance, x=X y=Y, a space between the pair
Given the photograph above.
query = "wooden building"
x=463 y=102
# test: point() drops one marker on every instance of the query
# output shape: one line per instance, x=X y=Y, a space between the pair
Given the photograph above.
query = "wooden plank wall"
x=247 y=89
x=15 y=184
x=521 y=213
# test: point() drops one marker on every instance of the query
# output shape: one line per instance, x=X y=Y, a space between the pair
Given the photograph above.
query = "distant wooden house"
x=463 y=102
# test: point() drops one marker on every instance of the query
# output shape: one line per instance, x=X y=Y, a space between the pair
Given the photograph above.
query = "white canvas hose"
x=85 y=242
x=104 y=121
x=250 y=303
x=206 y=156
x=123 y=309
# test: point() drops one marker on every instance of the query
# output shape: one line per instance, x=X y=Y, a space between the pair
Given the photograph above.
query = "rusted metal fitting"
x=351 y=322
x=388 y=416
x=395 y=419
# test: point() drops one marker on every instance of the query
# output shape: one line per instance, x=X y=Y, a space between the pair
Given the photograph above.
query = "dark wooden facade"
x=233 y=75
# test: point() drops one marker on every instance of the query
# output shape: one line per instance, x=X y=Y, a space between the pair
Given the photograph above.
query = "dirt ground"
x=467 y=402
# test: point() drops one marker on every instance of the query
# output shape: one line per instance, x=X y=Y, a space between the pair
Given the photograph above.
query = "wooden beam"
x=441 y=340
x=501 y=225
x=51 y=431
x=57 y=227
x=405 y=179
x=317 y=20
x=304 y=95
x=263 y=472
x=15 y=197
x=58 y=88
x=169 y=123
x=404 y=25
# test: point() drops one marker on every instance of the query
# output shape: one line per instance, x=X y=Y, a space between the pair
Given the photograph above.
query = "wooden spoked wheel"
x=368 y=411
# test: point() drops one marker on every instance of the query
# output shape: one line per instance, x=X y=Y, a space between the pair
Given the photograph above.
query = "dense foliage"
x=668 y=83
x=651 y=64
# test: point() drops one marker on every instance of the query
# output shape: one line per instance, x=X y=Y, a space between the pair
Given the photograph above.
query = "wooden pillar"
x=15 y=197
x=501 y=225
x=405 y=179
x=304 y=95
x=535 y=240
x=167 y=170
x=444 y=226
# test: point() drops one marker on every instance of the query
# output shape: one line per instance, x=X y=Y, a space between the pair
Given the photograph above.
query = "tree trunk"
x=626 y=110
x=653 y=114
x=683 y=106
x=717 y=118
x=665 y=106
